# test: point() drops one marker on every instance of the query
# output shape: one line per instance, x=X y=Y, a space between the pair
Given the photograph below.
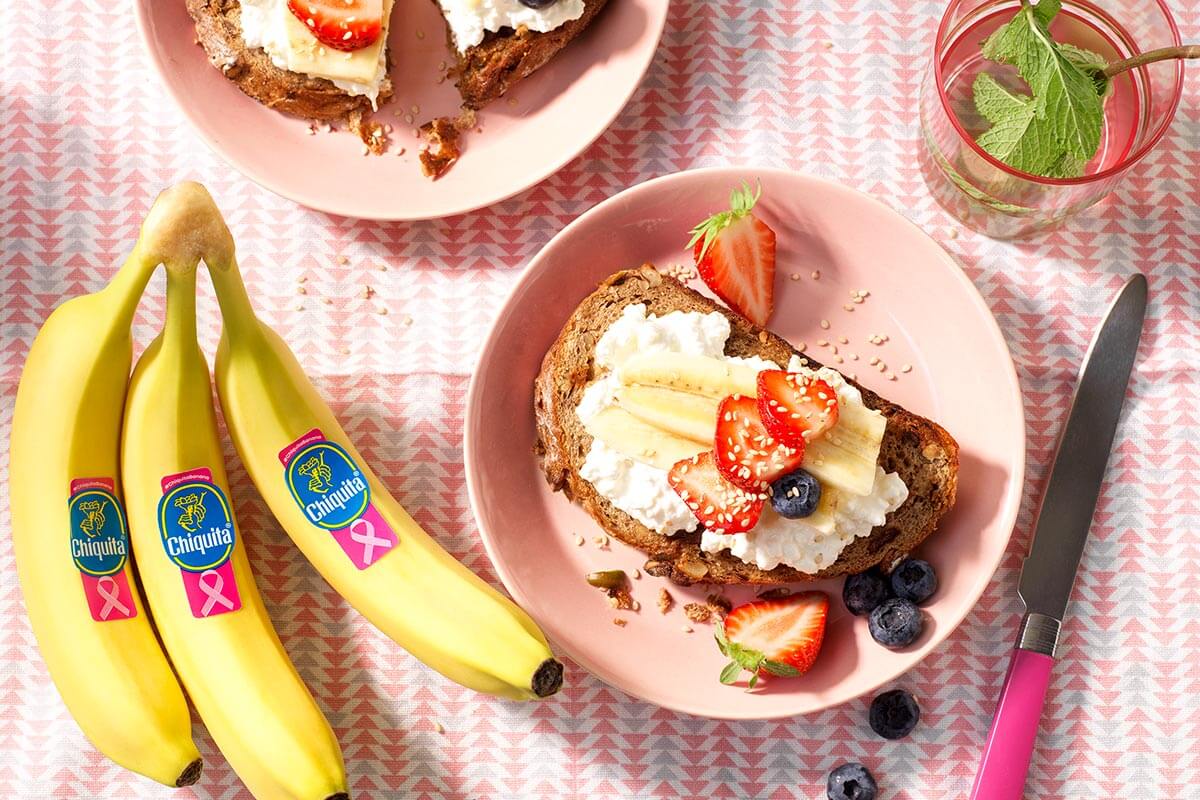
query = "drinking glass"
x=1003 y=202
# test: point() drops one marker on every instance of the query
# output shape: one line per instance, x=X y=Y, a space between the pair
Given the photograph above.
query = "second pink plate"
x=547 y=120
x=936 y=323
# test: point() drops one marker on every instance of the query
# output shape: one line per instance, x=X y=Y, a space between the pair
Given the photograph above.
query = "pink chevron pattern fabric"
x=88 y=137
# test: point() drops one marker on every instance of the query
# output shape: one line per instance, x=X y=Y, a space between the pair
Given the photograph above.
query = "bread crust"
x=489 y=69
x=219 y=32
x=919 y=450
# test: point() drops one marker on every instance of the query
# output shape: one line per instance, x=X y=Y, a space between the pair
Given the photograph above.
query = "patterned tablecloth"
x=830 y=88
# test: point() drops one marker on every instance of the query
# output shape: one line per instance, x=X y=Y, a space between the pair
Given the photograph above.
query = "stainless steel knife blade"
x=1079 y=464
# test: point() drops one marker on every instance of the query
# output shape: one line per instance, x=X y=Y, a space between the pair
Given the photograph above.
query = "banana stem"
x=128 y=285
x=237 y=314
x=180 y=325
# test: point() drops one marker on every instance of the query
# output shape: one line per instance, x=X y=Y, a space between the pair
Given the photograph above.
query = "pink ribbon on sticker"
x=366 y=539
x=109 y=597
x=213 y=591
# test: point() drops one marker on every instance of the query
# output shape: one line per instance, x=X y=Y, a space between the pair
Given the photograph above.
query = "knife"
x=1058 y=538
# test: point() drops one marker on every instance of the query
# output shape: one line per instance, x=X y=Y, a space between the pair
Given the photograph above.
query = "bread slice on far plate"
x=485 y=71
x=918 y=450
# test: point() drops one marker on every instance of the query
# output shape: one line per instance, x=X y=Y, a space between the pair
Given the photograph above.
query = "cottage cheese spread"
x=270 y=26
x=642 y=491
x=469 y=20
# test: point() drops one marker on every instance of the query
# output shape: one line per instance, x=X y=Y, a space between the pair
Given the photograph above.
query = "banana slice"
x=702 y=375
x=642 y=442
x=691 y=416
x=845 y=457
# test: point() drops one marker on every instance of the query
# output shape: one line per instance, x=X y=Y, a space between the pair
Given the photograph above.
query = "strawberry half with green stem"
x=735 y=255
x=721 y=506
x=780 y=636
x=795 y=407
x=341 y=24
x=746 y=453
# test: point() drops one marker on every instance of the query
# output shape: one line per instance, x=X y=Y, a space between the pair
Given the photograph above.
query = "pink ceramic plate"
x=936 y=322
x=546 y=121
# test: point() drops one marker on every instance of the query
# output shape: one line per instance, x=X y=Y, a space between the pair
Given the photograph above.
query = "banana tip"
x=191 y=773
x=548 y=678
x=184 y=226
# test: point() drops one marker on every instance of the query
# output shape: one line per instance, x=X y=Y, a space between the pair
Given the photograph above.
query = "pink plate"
x=542 y=124
x=961 y=376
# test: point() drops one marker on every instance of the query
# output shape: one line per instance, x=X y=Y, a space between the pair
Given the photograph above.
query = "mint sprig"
x=1056 y=129
x=741 y=203
x=748 y=659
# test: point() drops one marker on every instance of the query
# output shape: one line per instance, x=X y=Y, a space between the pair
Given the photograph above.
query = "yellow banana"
x=343 y=519
x=69 y=530
x=194 y=568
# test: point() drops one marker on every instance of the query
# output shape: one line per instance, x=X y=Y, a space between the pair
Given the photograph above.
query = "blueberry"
x=896 y=623
x=862 y=592
x=795 y=495
x=914 y=580
x=538 y=3
x=851 y=782
x=894 y=714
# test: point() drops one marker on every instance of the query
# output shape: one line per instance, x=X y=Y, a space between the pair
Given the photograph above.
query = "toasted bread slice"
x=920 y=451
x=492 y=67
x=219 y=32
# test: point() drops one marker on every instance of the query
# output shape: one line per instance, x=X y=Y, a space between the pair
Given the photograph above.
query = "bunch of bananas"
x=88 y=435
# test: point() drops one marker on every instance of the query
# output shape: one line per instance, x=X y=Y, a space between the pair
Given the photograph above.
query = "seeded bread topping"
x=642 y=490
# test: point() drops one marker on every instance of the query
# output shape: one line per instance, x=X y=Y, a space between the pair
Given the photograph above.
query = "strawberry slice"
x=720 y=505
x=780 y=636
x=735 y=255
x=341 y=24
x=795 y=407
x=747 y=454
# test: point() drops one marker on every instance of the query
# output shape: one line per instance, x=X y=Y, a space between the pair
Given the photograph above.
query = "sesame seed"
x=834 y=349
x=637 y=574
x=838 y=359
x=824 y=324
x=822 y=343
x=795 y=276
x=843 y=340
x=953 y=233
x=802 y=347
x=816 y=276
x=686 y=628
x=343 y=260
x=854 y=356
x=578 y=540
x=420 y=34
x=891 y=376
x=874 y=360
x=906 y=368
x=848 y=307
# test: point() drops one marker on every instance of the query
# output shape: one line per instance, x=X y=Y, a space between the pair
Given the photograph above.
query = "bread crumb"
x=665 y=601
x=343 y=260
x=441 y=147
x=953 y=234
x=719 y=605
x=620 y=599
x=620 y=623
x=439 y=727
x=698 y=613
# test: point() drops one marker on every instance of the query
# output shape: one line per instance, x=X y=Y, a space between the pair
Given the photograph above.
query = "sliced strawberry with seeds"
x=747 y=454
x=780 y=636
x=796 y=407
x=720 y=505
x=735 y=255
x=341 y=24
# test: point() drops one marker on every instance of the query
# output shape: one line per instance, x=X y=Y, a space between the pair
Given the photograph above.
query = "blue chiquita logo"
x=196 y=526
x=99 y=538
x=327 y=485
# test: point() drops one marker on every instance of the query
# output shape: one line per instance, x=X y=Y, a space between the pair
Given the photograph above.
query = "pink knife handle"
x=1010 y=742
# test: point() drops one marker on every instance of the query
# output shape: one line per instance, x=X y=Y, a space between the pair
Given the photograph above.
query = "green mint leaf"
x=781 y=669
x=731 y=672
x=1092 y=65
x=1058 y=128
x=1017 y=136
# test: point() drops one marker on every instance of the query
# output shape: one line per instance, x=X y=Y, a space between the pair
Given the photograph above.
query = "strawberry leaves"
x=746 y=659
x=741 y=203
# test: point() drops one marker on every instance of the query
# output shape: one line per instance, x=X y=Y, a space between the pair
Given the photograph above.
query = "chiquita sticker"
x=100 y=548
x=333 y=494
x=196 y=524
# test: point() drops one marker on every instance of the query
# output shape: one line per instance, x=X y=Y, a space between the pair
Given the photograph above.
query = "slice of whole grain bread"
x=219 y=32
x=920 y=451
x=490 y=68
